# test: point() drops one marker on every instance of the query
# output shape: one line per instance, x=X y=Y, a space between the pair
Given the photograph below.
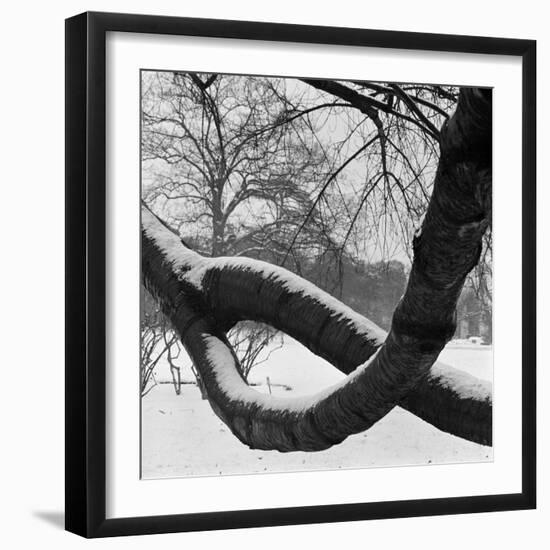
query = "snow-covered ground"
x=181 y=436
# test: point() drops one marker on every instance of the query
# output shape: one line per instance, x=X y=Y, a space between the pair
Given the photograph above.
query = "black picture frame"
x=86 y=263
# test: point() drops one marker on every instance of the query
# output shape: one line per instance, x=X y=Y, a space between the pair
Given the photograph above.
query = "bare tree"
x=205 y=297
x=253 y=344
x=221 y=159
x=157 y=341
x=219 y=154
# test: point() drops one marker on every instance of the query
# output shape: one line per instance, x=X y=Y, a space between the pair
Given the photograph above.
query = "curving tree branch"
x=204 y=297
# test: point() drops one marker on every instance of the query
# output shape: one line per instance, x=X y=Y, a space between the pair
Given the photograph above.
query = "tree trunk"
x=218 y=222
x=204 y=297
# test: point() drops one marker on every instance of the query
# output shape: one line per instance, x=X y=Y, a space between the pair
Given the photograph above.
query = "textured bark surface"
x=204 y=297
x=451 y=400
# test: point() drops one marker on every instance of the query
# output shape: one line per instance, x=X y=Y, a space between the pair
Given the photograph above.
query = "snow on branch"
x=203 y=297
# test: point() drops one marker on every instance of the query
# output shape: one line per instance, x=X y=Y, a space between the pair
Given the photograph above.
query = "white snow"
x=465 y=387
x=181 y=436
x=291 y=282
x=169 y=244
x=231 y=383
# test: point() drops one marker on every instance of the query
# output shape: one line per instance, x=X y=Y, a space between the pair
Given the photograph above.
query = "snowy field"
x=181 y=436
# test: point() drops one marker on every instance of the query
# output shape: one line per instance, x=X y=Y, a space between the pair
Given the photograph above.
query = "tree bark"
x=205 y=297
x=452 y=400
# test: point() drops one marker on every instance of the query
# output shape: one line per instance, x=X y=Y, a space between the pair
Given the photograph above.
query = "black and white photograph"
x=274 y=275
x=317 y=274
